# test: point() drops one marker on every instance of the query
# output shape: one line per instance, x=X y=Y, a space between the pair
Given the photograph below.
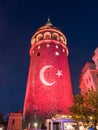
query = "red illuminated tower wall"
x=49 y=89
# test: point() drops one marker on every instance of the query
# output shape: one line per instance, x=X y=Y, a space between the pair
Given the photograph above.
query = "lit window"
x=87 y=81
x=38 y=47
x=32 y=41
x=57 y=47
x=63 y=50
x=48 y=45
x=62 y=39
x=39 y=37
x=57 y=53
x=55 y=36
x=47 y=35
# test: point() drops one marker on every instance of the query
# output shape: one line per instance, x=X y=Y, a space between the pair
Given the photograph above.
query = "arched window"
x=47 y=35
x=55 y=36
x=32 y=41
x=39 y=37
x=62 y=40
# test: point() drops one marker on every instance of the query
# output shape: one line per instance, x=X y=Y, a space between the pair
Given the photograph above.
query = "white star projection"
x=59 y=73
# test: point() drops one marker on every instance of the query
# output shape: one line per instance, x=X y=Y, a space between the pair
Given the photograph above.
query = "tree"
x=85 y=107
x=91 y=101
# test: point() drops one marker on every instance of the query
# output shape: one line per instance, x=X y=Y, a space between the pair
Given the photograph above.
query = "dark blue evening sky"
x=19 y=19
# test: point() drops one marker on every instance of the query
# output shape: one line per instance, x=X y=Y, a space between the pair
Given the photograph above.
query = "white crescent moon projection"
x=42 y=78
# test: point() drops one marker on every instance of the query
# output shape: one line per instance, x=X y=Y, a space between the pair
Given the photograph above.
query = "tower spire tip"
x=48 y=22
x=48 y=19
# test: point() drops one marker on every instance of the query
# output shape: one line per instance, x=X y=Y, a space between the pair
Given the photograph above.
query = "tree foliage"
x=85 y=107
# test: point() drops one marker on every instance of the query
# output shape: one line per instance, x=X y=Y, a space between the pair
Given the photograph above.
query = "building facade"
x=49 y=89
x=89 y=75
x=15 y=121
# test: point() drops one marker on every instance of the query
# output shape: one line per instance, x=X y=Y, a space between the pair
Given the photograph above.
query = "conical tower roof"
x=48 y=25
x=48 y=32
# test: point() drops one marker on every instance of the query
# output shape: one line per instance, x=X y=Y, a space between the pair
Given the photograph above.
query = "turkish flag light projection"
x=49 y=89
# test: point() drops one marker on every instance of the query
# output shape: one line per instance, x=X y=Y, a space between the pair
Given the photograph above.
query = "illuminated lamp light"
x=1 y=128
x=35 y=125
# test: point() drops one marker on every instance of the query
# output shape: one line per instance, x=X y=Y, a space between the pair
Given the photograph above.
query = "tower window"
x=63 y=50
x=97 y=75
x=13 y=121
x=55 y=36
x=33 y=41
x=38 y=54
x=57 y=53
x=39 y=37
x=38 y=47
x=48 y=45
x=47 y=35
x=87 y=81
x=91 y=87
x=56 y=46
x=89 y=78
x=62 y=39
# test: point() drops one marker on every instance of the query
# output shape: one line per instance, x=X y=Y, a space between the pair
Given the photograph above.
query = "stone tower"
x=49 y=89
